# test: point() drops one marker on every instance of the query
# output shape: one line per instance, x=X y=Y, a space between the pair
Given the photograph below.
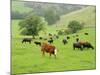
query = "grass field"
x=27 y=58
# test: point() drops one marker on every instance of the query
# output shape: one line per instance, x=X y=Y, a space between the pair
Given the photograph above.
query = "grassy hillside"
x=86 y=15
x=19 y=6
x=27 y=58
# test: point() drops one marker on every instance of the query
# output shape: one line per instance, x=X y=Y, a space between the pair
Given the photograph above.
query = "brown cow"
x=48 y=48
x=82 y=44
x=86 y=44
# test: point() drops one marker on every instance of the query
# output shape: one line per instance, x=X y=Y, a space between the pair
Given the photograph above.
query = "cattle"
x=50 y=41
x=77 y=45
x=40 y=38
x=27 y=40
x=86 y=45
x=77 y=39
x=64 y=41
x=50 y=34
x=77 y=35
x=37 y=43
x=48 y=48
x=51 y=38
x=86 y=33
x=57 y=36
x=82 y=45
x=68 y=37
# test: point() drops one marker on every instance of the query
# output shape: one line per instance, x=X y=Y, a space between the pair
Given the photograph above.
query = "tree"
x=51 y=16
x=18 y=15
x=31 y=25
x=75 y=26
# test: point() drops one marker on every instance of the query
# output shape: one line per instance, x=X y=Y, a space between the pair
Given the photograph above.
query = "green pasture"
x=27 y=58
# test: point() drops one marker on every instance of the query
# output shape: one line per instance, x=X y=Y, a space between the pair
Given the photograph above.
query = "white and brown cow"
x=48 y=48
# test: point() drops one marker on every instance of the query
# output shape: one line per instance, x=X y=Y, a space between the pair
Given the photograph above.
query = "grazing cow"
x=77 y=45
x=86 y=33
x=27 y=40
x=68 y=37
x=40 y=38
x=50 y=41
x=86 y=45
x=48 y=48
x=51 y=38
x=37 y=43
x=50 y=34
x=82 y=44
x=64 y=41
x=77 y=35
x=77 y=39
x=57 y=36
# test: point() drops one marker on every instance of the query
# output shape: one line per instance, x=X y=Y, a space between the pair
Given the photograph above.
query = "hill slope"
x=19 y=7
x=86 y=15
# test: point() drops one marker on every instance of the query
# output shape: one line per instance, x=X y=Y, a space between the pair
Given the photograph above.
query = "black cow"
x=57 y=36
x=77 y=45
x=77 y=35
x=86 y=33
x=64 y=41
x=27 y=40
x=40 y=38
x=87 y=45
x=77 y=39
x=50 y=41
x=81 y=45
x=37 y=43
x=68 y=37
x=50 y=34
x=51 y=38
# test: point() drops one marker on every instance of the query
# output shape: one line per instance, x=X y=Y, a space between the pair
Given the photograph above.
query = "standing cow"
x=64 y=41
x=68 y=37
x=82 y=44
x=77 y=45
x=50 y=41
x=86 y=33
x=48 y=48
x=27 y=40
x=86 y=44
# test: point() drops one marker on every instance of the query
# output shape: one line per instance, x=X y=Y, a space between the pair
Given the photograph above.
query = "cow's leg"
x=30 y=42
x=43 y=54
x=50 y=55
x=73 y=47
x=81 y=48
x=55 y=52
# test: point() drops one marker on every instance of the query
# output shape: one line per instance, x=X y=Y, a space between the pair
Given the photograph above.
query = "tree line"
x=50 y=11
